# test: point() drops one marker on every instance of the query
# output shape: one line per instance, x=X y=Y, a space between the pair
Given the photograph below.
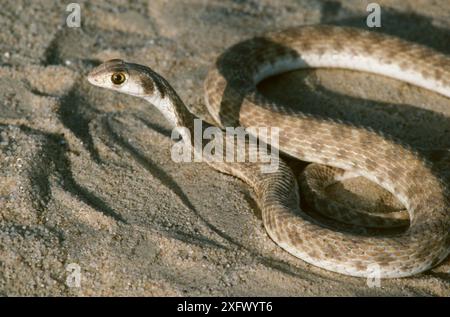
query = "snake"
x=232 y=98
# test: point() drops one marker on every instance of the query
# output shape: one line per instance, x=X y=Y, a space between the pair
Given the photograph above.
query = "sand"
x=86 y=176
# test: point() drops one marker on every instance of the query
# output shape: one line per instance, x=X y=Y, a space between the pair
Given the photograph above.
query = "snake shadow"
x=53 y=159
x=158 y=172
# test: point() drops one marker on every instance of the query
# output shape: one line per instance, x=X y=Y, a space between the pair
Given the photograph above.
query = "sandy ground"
x=86 y=177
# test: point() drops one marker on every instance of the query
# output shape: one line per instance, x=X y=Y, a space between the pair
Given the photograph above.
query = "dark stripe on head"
x=147 y=84
x=161 y=85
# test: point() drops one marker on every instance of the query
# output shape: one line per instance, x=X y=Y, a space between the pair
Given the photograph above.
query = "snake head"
x=129 y=78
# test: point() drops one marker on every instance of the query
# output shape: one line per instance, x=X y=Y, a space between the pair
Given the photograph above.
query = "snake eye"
x=118 y=78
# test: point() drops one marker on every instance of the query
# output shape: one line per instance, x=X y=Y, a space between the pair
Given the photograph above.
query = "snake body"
x=232 y=99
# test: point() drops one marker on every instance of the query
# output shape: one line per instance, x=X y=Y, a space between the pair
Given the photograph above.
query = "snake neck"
x=167 y=101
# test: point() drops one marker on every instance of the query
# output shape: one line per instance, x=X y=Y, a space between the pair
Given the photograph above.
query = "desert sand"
x=86 y=178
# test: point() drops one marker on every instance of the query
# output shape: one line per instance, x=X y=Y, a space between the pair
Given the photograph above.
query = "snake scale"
x=232 y=99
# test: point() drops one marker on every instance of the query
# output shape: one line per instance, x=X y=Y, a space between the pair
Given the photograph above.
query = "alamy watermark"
x=232 y=145
x=73 y=20
x=73 y=278
x=374 y=18
x=373 y=275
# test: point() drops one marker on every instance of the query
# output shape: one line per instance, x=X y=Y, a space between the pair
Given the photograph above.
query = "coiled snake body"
x=232 y=99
